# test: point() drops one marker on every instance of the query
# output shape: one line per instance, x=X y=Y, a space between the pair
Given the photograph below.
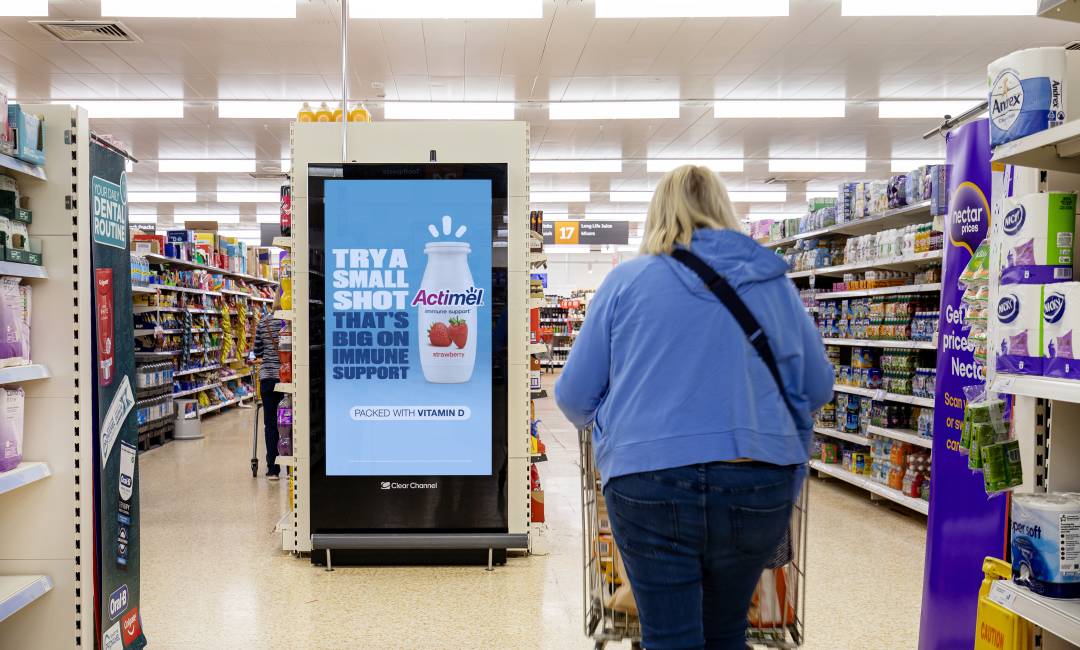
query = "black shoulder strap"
x=750 y=326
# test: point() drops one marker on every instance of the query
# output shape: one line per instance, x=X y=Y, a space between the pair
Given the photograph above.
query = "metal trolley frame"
x=603 y=624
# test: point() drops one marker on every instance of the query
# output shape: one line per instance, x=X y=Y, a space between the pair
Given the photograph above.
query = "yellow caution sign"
x=997 y=628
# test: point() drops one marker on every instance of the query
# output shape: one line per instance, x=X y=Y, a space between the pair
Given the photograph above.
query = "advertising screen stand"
x=414 y=381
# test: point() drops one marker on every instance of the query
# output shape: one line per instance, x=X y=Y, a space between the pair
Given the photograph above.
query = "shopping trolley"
x=604 y=624
x=255 y=432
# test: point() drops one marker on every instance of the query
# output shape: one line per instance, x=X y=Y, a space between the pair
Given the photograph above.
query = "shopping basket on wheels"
x=777 y=616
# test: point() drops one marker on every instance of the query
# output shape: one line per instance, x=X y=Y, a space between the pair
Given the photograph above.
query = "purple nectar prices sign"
x=965 y=526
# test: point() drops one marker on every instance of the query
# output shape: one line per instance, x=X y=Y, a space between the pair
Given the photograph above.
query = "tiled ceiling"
x=568 y=55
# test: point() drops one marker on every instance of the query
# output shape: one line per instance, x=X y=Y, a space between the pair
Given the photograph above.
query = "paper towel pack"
x=1061 y=326
x=1030 y=92
x=1018 y=332
x=1037 y=238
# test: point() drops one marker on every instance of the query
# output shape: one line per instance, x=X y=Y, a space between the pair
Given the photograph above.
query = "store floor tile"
x=214 y=576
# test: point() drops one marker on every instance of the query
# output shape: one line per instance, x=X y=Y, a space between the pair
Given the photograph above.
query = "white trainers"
x=273 y=477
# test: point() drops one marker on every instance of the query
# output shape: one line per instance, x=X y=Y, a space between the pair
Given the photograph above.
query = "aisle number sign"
x=587 y=233
x=108 y=208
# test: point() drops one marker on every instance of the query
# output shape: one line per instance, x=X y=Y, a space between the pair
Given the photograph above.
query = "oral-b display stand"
x=410 y=330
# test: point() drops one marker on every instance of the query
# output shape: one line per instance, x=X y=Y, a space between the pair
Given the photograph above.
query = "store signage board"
x=586 y=233
x=409 y=399
x=408 y=327
x=964 y=525
x=116 y=436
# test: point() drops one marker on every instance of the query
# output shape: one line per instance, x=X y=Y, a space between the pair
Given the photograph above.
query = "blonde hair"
x=686 y=199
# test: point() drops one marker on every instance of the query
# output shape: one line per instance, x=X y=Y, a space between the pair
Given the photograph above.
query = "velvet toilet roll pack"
x=1037 y=238
x=1018 y=333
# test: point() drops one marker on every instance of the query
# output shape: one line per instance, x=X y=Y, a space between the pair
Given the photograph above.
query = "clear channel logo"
x=392 y=485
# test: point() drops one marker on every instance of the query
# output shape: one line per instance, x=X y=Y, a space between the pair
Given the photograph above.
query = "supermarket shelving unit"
x=314 y=143
x=46 y=504
x=912 y=214
x=215 y=370
x=1046 y=418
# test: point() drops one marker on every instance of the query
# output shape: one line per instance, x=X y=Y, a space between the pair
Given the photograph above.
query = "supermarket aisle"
x=214 y=575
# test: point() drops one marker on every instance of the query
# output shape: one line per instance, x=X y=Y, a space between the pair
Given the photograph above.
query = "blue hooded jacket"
x=668 y=378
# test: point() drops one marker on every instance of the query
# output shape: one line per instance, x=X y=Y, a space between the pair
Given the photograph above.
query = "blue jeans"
x=694 y=541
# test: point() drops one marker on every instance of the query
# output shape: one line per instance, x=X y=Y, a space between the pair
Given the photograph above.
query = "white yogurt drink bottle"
x=447 y=303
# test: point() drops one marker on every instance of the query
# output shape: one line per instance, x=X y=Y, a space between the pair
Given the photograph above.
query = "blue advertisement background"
x=377 y=214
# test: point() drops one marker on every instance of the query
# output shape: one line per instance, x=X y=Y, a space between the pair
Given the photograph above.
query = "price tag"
x=879 y=395
x=1001 y=595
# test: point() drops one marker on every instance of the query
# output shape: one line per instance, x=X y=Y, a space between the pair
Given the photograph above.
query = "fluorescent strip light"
x=268 y=218
x=286 y=165
x=199 y=8
x=575 y=166
x=150 y=109
x=689 y=8
x=778 y=108
x=849 y=165
x=939 y=8
x=715 y=164
x=24 y=8
x=924 y=109
x=217 y=218
x=630 y=196
x=258 y=110
x=456 y=9
x=248 y=197
x=613 y=110
x=750 y=196
x=161 y=197
x=615 y=216
x=207 y=165
x=142 y=218
x=448 y=111
x=904 y=165
x=128 y=165
x=582 y=196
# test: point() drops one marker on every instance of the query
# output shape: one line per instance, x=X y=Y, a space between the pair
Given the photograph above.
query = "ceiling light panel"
x=689 y=8
x=216 y=218
x=161 y=197
x=25 y=8
x=778 y=108
x=751 y=196
x=733 y=165
x=904 y=165
x=248 y=197
x=924 y=109
x=150 y=218
x=575 y=166
x=266 y=110
x=454 y=9
x=581 y=196
x=212 y=166
x=796 y=165
x=199 y=8
x=938 y=8
x=448 y=111
x=149 y=109
x=659 y=110
x=630 y=196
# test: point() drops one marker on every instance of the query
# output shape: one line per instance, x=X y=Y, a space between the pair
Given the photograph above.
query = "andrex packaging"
x=1027 y=93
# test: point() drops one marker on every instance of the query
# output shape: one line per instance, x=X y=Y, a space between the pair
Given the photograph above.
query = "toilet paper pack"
x=1037 y=238
x=1027 y=93
x=1045 y=540
x=1061 y=324
x=1018 y=332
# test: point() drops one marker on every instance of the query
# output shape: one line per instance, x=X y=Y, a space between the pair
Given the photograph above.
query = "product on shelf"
x=1037 y=238
x=285 y=425
x=15 y=310
x=1027 y=92
x=1018 y=329
x=1045 y=546
x=12 y=401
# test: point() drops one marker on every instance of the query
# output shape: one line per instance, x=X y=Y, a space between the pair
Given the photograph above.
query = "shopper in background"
x=267 y=334
x=701 y=454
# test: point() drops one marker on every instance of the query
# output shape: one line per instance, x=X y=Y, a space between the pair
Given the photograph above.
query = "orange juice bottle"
x=359 y=113
x=339 y=112
x=324 y=114
x=306 y=114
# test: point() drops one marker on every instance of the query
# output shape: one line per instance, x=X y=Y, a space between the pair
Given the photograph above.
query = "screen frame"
x=359 y=504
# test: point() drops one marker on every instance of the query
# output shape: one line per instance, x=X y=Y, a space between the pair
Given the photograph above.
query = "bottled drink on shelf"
x=305 y=114
x=324 y=114
x=339 y=112
x=359 y=113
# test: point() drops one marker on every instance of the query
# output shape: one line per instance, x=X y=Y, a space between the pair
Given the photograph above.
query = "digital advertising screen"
x=408 y=324
x=408 y=327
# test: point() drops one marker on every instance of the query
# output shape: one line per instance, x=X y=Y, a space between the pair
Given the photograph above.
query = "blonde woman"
x=699 y=370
